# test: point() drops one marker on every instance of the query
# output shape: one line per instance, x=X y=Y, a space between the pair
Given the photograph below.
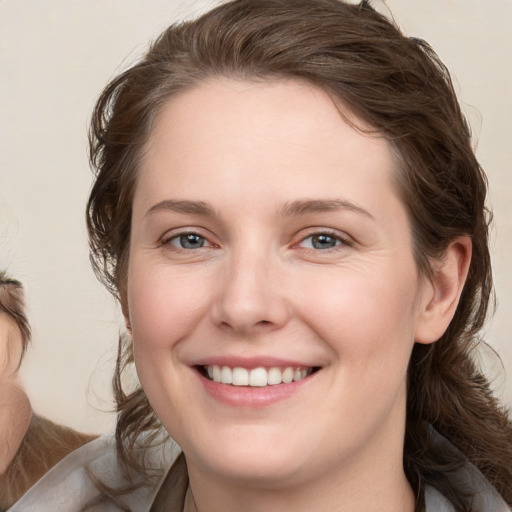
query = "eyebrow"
x=307 y=206
x=192 y=207
x=295 y=208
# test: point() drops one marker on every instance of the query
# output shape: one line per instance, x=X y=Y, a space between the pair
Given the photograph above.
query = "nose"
x=251 y=297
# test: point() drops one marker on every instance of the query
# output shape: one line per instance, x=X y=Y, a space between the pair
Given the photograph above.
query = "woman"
x=14 y=403
x=289 y=210
x=29 y=444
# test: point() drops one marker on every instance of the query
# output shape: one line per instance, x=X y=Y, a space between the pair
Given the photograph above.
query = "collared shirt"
x=67 y=487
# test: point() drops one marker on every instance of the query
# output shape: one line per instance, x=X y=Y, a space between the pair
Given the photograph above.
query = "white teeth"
x=257 y=377
x=226 y=376
x=240 y=377
x=288 y=375
x=217 y=375
x=274 y=376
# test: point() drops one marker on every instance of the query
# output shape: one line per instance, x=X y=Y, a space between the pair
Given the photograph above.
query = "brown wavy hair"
x=399 y=87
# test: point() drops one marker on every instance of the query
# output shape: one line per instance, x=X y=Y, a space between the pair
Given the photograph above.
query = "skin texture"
x=259 y=287
x=15 y=410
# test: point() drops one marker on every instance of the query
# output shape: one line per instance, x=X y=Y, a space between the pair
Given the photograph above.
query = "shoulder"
x=484 y=497
x=68 y=486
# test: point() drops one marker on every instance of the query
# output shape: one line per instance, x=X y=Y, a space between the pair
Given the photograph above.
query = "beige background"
x=55 y=56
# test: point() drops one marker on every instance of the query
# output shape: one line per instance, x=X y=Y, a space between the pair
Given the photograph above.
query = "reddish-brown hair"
x=44 y=445
x=399 y=87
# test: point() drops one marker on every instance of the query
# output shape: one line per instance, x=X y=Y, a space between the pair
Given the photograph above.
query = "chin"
x=260 y=472
x=255 y=461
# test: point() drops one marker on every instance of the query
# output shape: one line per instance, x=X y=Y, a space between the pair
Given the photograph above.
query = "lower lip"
x=254 y=397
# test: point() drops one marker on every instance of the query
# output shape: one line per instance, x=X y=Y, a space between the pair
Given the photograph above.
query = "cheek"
x=163 y=305
x=365 y=316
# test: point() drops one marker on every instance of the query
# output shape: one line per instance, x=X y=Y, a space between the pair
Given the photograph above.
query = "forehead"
x=282 y=138
x=264 y=106
x=255 y=147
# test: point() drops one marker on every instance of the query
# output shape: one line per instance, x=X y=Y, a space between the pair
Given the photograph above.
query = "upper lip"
x=252 y=362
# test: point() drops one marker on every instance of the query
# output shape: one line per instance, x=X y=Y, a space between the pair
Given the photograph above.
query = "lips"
x=255 y=377
x=254 y=382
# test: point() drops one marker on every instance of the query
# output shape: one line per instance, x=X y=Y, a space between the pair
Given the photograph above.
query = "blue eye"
x=320 y=241
x=189 y=241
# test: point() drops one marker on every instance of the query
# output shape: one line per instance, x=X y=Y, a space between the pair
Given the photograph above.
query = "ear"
x=442 y=291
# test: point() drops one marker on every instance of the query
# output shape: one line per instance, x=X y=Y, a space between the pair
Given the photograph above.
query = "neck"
x=398 y=497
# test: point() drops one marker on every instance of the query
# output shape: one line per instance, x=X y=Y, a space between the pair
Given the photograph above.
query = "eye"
x=188 y=241
x=321 y=241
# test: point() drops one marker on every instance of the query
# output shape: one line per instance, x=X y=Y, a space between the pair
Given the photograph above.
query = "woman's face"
x=15 y=409
x=11 y=347
x=269 y=243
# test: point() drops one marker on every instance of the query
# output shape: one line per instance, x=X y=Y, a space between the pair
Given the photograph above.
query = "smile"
x=255 y=377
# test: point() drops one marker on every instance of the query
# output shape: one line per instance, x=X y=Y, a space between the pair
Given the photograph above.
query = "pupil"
x=323 y=241
x=191 y=241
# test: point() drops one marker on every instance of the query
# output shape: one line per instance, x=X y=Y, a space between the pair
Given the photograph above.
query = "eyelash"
x=340 y=241
x=180 y=238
